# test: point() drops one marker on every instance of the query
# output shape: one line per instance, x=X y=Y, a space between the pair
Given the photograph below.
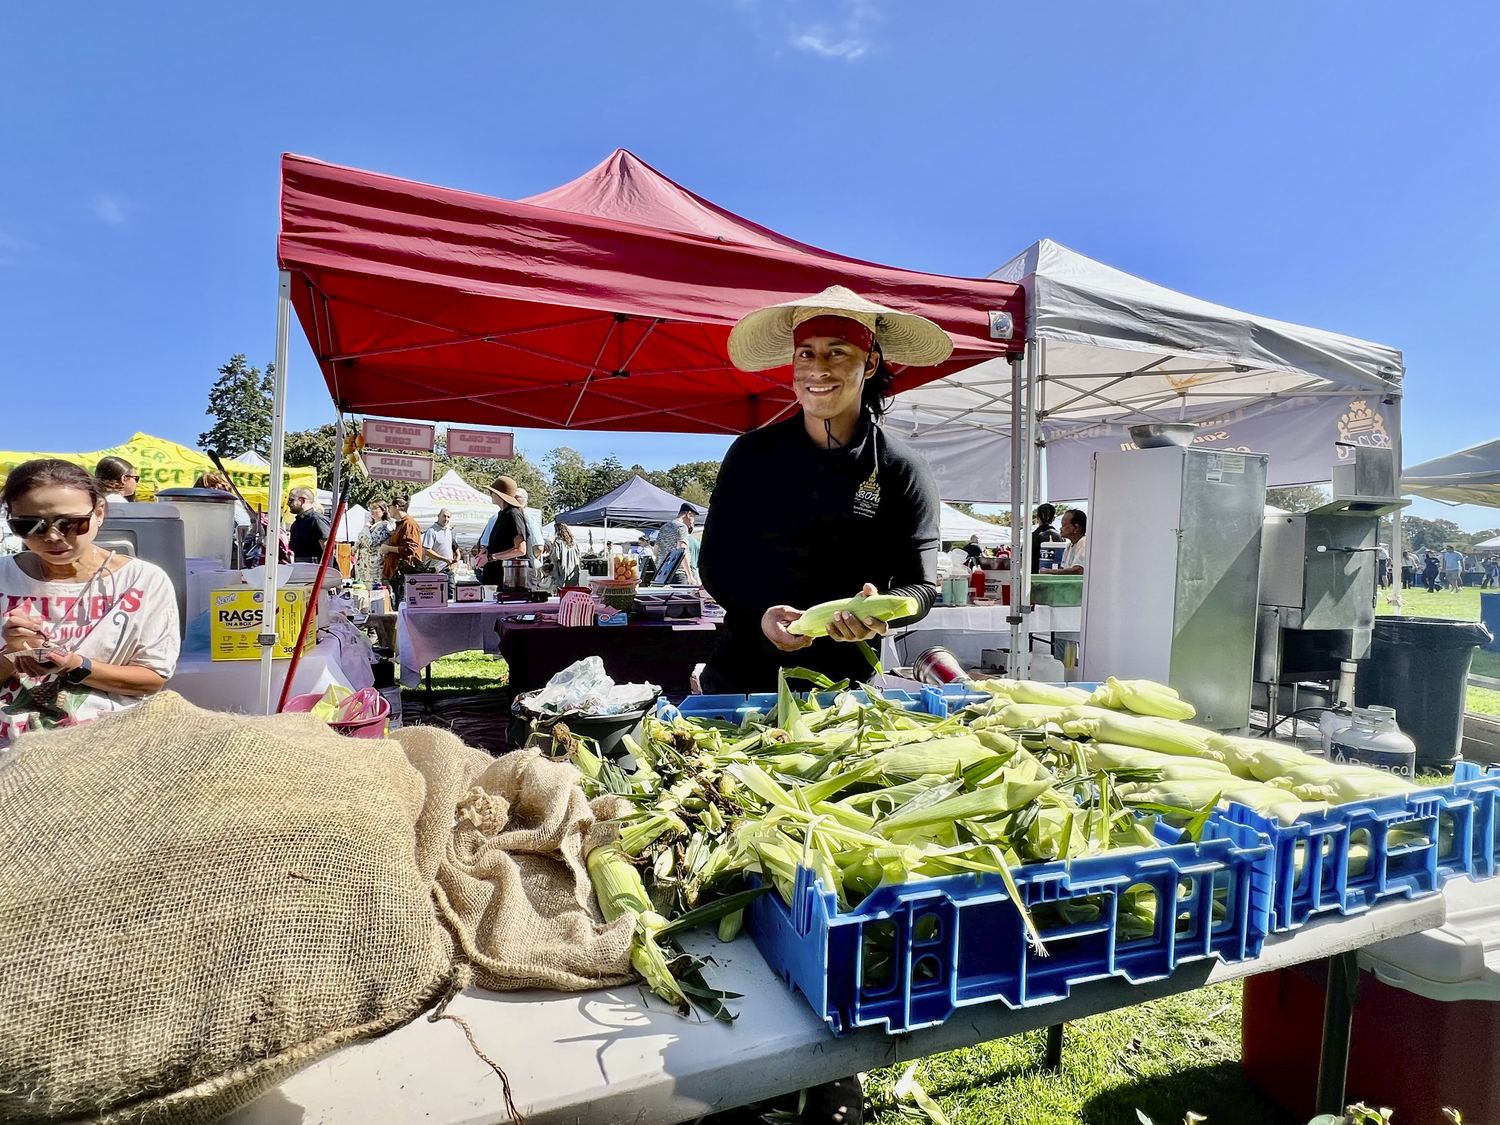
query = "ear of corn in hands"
x=881 y=607
x=863 y=794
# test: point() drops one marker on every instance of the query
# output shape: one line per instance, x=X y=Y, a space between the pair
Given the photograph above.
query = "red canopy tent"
x=603 y=304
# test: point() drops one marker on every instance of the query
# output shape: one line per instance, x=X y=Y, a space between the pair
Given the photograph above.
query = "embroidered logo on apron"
x=867 y=498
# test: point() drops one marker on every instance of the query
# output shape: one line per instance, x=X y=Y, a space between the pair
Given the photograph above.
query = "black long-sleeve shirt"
x=791 y=523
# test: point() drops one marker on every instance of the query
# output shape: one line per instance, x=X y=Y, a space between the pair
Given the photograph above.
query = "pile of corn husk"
x=862 y=794
x=866 y=793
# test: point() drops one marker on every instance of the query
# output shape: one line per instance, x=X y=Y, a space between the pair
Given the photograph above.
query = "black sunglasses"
x=37 y=527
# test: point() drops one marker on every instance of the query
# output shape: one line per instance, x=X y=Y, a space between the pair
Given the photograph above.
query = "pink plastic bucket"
x=373 y=726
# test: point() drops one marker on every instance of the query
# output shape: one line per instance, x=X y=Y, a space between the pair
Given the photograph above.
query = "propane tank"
x=1372 y=738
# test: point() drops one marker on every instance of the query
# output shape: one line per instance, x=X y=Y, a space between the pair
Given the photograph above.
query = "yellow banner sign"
x=165 y=464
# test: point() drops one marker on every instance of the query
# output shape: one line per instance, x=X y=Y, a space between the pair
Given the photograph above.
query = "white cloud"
x=109 y=209
x=847 y=37
x=819 y=41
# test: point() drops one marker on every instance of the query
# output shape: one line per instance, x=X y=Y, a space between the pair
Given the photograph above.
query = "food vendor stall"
x=606 y=304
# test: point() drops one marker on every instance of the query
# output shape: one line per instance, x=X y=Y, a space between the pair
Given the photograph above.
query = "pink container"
x=372 y=726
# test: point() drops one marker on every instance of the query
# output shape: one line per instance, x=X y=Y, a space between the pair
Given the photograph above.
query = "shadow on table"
x=1221 y=1092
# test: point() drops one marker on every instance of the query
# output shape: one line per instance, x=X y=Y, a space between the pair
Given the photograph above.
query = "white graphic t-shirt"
x=128 y=617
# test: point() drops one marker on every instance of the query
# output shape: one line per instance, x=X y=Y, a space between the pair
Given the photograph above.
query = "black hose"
x=1271 y=730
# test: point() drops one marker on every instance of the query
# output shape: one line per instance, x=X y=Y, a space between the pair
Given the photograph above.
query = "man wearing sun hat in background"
x=817 y=507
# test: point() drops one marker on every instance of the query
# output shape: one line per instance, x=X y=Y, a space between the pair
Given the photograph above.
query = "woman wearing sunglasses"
x=83 y=631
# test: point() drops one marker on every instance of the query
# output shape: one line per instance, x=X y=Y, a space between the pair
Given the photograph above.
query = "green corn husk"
x=1200 y=792
x=618 y=887
x=814 y=622
x=1143 y=697
x=1021 y=716
x=1338 y=784
x=943 y=755
x=1256 y=758
x=1162 y=735
x=1108 y=756
x=1052 y=695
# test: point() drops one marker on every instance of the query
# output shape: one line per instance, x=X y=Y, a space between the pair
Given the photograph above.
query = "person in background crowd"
x=1430 y=571
x=1410 y=564
x=220 y=483
x=973 y=552
x=1074 y=528
x=367 y=557
x=536 y=549
x=85 y=631
x=1453 y=564
x=119 y=479
x=1492 y=573
x=310 y=525
x=508 y=537
x=1382 y=566
x=562 y=552
x=437 y=541
x=694 y=545
x=402 y=553
x=1044 y=533
x=674 y=537
x=641 y=546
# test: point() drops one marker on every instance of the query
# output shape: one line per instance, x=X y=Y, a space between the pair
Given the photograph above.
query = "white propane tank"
x=1331 y=722
x=1373 y=739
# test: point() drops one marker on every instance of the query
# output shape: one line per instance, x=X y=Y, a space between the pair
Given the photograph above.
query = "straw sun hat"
x=504 y=489
x=763 y=339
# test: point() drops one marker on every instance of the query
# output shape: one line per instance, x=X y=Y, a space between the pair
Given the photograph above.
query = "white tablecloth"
x=967 y=630
x=234 y=685
x=425 y=635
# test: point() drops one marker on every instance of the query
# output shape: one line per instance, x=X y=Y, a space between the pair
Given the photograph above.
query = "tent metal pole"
x=1396 y=542
x=338 y=460
x=1020 y=512
x=273 y=508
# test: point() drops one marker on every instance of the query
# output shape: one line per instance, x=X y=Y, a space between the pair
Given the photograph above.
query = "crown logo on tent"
x=1360 y=425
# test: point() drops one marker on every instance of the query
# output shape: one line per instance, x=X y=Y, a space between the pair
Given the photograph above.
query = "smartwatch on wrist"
x=81 y=673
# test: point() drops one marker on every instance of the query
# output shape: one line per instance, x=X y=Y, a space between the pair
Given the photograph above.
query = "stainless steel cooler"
x=1173 y=572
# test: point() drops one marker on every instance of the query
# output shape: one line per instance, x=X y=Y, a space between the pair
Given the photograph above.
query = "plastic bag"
x=585 y=688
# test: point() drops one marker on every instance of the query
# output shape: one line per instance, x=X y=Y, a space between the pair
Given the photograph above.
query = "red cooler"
x=1426 y=1028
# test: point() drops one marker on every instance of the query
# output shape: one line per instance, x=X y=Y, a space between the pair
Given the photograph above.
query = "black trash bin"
x=1420 y=666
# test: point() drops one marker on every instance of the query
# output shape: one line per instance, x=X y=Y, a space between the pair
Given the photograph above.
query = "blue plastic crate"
x=734 y=708
x=955 y=697
x=1441 y=833
x=959 y=941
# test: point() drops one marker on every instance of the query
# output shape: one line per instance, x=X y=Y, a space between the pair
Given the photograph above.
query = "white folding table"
x=620 y=1056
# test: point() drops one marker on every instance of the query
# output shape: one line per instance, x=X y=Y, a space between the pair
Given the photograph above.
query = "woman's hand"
x=848 y=627
x=22 y=630
x=773 y=624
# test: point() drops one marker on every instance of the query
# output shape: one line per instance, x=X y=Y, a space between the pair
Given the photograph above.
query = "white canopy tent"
x=958 y=526
x=1106 y=350
x=471 y=508
x=1470 y=476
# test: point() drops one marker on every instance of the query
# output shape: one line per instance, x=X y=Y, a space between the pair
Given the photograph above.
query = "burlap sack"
x=507 y=838
x=194 y=905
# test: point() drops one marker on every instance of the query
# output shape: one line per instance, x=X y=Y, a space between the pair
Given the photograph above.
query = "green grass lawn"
x=1461 y=605
x=461 y=673
x=1164 y=1058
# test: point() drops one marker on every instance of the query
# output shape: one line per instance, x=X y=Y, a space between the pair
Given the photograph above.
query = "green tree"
x=695 y=493
x=240 y=402
x=569 y=476
x=1300 y=498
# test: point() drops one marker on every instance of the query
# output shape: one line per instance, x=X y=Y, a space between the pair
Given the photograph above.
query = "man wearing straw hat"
x=817 y=507
x=826 y=503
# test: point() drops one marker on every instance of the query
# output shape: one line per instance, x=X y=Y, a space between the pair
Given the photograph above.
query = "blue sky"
x=1334 y=164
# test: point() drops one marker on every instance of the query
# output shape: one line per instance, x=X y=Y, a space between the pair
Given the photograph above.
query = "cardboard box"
x=426 y=591
x=235 y=617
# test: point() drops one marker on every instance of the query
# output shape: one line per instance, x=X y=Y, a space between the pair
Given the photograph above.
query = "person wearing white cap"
x=824 y=504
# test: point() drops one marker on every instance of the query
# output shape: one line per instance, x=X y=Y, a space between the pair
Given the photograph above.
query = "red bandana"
x=839 y=327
